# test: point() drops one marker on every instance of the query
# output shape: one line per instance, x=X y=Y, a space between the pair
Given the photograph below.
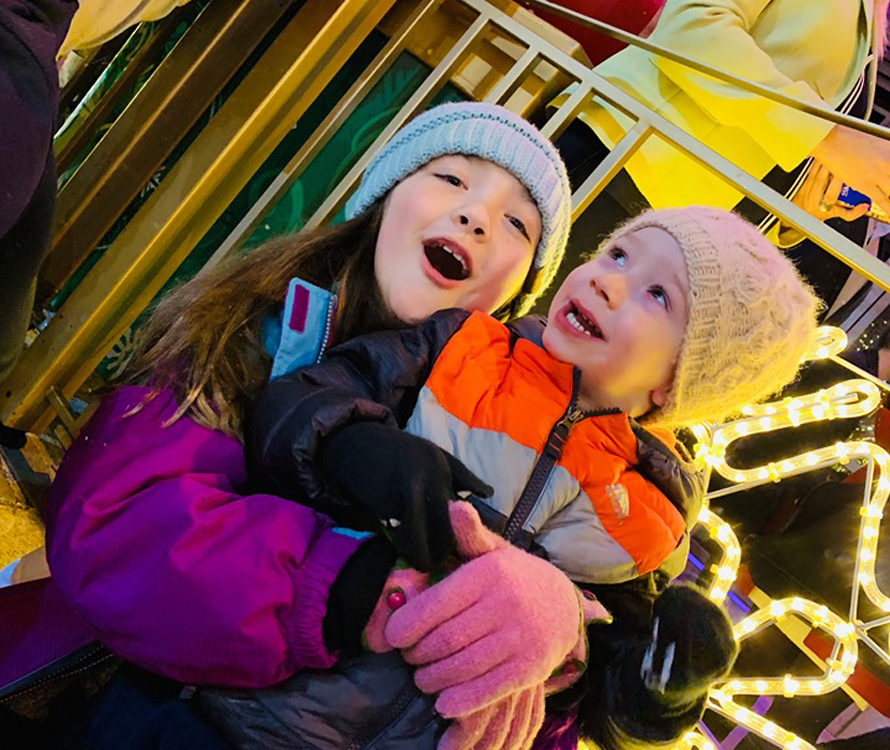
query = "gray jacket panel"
x=368 y=702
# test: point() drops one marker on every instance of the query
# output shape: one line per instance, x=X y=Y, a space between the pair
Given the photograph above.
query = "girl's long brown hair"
x=203 y=340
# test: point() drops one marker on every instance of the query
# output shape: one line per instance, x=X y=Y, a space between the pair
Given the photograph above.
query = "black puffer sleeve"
x=375 y=377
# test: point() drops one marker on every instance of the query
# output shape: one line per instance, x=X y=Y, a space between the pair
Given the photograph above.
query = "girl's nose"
x=610 y=287
x=474 y=218
x=465 y=220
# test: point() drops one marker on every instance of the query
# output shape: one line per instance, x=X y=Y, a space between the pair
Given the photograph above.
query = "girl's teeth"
x=455 y=255
x=573 y=319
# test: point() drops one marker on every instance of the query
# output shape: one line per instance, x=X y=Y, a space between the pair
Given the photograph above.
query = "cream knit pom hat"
x=750 y=316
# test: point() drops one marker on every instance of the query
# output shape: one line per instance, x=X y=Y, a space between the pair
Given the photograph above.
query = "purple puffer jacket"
x=152 y=537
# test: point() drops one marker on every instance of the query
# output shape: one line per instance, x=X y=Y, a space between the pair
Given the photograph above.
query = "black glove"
x=404 y=481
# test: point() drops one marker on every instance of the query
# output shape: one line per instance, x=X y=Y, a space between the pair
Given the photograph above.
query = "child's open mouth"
x=448 y=259
x=583 y=321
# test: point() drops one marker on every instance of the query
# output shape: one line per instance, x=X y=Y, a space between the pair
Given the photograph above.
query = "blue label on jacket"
x=294 y=338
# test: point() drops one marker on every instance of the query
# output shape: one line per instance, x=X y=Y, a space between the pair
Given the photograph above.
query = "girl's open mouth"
x=448 y=259
x=582 y=321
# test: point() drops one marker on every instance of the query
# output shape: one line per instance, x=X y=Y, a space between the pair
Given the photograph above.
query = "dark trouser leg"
x=21 y=252
x=141 y=711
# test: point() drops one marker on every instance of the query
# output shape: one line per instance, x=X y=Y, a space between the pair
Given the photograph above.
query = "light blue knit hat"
x=496 y=134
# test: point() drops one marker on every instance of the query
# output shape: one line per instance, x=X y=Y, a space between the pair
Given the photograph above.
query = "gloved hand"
x=502 y=622
x=511 y=723
x=402 y=585
x=404 y=481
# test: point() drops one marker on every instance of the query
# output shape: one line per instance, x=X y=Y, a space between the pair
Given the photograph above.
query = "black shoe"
x=12 y=438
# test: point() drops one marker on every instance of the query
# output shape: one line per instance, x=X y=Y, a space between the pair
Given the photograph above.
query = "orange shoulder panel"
x=639 y=517
x=477 y=380
x=633 y=510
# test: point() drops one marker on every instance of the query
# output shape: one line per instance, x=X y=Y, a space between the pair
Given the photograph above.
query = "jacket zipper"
x=546 y=462
x=396 y=709
x=328 y=325
x=543 y=467
x=65 y=666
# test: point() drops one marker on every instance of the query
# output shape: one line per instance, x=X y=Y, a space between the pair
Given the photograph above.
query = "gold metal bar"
x=504 y=88
x=72 y=74
x=428 y=89
x=322 y=135
x=111 y=98
x=93 y=62
x=60 y=405
x=721 y=75
x=205 y=180
x=836 y=244
x=824 y=236
x=181 y=88
x=560 y=119
x=609 y=167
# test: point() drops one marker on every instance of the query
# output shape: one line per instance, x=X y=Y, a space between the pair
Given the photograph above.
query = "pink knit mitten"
x=503 y=621
x=401 y=585
x=576 y=660
x=510 y=723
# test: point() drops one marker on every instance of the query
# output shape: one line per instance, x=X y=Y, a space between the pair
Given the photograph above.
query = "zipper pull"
x=560 y=432
x=571 y=418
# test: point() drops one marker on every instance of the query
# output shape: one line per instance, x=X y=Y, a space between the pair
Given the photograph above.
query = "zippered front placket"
x=547 y=461
x=385 y=722
x=87 y=657
x=328 y=324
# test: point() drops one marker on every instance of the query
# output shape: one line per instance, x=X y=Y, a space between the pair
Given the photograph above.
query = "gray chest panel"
x=366 y=703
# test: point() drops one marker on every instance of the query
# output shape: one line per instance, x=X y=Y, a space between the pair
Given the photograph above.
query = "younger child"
x=683 y=315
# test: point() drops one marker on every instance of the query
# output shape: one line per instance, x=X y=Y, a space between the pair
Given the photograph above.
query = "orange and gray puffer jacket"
x=598 y=495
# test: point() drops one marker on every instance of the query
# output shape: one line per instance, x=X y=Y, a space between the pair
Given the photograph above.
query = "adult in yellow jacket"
x=822 y=53
x=816 y=52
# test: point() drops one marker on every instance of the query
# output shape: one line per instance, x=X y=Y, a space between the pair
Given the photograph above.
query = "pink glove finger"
x=477 y=659
x=536 y=718
x=593 y=610
x=449 y=638
x=480 y=692
x=497 y=731
x=523 y=709
x=465 y=733
x=436 y=605
x=472 y=536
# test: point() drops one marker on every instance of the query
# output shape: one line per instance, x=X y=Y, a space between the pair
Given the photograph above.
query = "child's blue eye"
x=618 y=255
x=660 y=296
x=516 y=222
x=451 y=179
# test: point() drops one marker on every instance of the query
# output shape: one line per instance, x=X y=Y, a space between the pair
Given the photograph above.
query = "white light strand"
x=726 y=570
x=852 y=398
x=838 y=669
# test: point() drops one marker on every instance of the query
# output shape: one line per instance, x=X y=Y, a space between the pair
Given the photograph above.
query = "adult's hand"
x=511 y=723
x=818 y=197
x=502 y=622
x=819 y=193
x=860 y=160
